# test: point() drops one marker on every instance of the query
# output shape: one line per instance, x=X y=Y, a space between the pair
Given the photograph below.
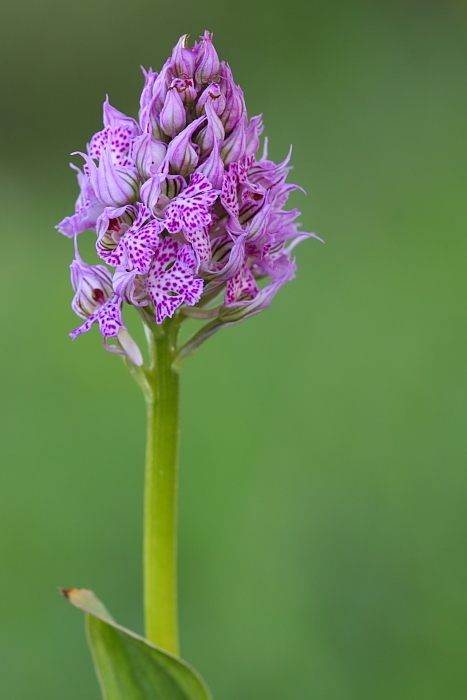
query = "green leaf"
x=127 y=665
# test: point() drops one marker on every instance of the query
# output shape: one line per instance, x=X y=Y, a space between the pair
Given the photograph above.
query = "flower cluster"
x=183 y=209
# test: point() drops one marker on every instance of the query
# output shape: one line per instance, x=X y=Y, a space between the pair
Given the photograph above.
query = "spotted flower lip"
x=190 y=213
x=170 y=281
x=186 y=207
x=108 y=316
x=136 y=246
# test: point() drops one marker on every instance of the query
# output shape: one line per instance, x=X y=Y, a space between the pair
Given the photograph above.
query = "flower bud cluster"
x=183 y=208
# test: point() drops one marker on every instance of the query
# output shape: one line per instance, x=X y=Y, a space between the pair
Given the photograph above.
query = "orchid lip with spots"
x=189 y=221
x=185 y=175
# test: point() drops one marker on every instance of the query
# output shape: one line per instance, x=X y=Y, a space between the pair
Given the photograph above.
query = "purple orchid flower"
x=136 y=246
x=92 y=285
x=94 y=298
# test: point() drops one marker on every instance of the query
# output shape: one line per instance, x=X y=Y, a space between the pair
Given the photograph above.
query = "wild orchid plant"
x=192 y=221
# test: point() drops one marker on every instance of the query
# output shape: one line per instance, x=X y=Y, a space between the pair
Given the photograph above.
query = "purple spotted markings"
x=171 y=280
x=136 y=245
x=108 y=316
x=188 y=212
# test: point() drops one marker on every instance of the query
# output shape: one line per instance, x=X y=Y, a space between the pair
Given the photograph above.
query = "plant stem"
x=160 y=498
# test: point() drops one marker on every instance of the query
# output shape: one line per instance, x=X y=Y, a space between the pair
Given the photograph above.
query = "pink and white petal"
x=230 y=262
x=84 y=328
x=130 y=287
x=141 y=246
x=172 y=221
x=113 y=118
x=118 y=257
x=109 y=317
x=229 y=198
x=194 y=217
x=164 y=256
x=193 y=294
x=112 y=214
x=201 y=243
x=187 y=257
x=242 y=286
x=189 y=211
x=120 y=139
x=200 y=186
x=143 y=215
x=98 y=143
x=165 y=305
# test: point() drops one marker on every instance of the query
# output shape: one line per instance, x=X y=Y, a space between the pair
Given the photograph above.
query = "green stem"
x=160 y=500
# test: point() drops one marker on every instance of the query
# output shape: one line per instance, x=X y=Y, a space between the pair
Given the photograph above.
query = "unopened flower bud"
x=226 y=80
x=148 y=154
x=153 y=126
x=181 y=155
x=213 y=167
x=173 y=116
x=234 y=102
x=183 y=58
x=114 y=185
x=150 y=192
x=185 y=87
x=212 y=133
x=207 y=61
x=234 y=109
x=234 y=145
x=253 y=132
x=161 y=86
x=214 y=96
x=146 y=96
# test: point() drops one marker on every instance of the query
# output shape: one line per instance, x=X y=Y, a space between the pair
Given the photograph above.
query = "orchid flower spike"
x=185 y=209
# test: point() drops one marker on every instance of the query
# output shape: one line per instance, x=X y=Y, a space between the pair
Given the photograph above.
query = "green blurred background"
x=323 y=475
